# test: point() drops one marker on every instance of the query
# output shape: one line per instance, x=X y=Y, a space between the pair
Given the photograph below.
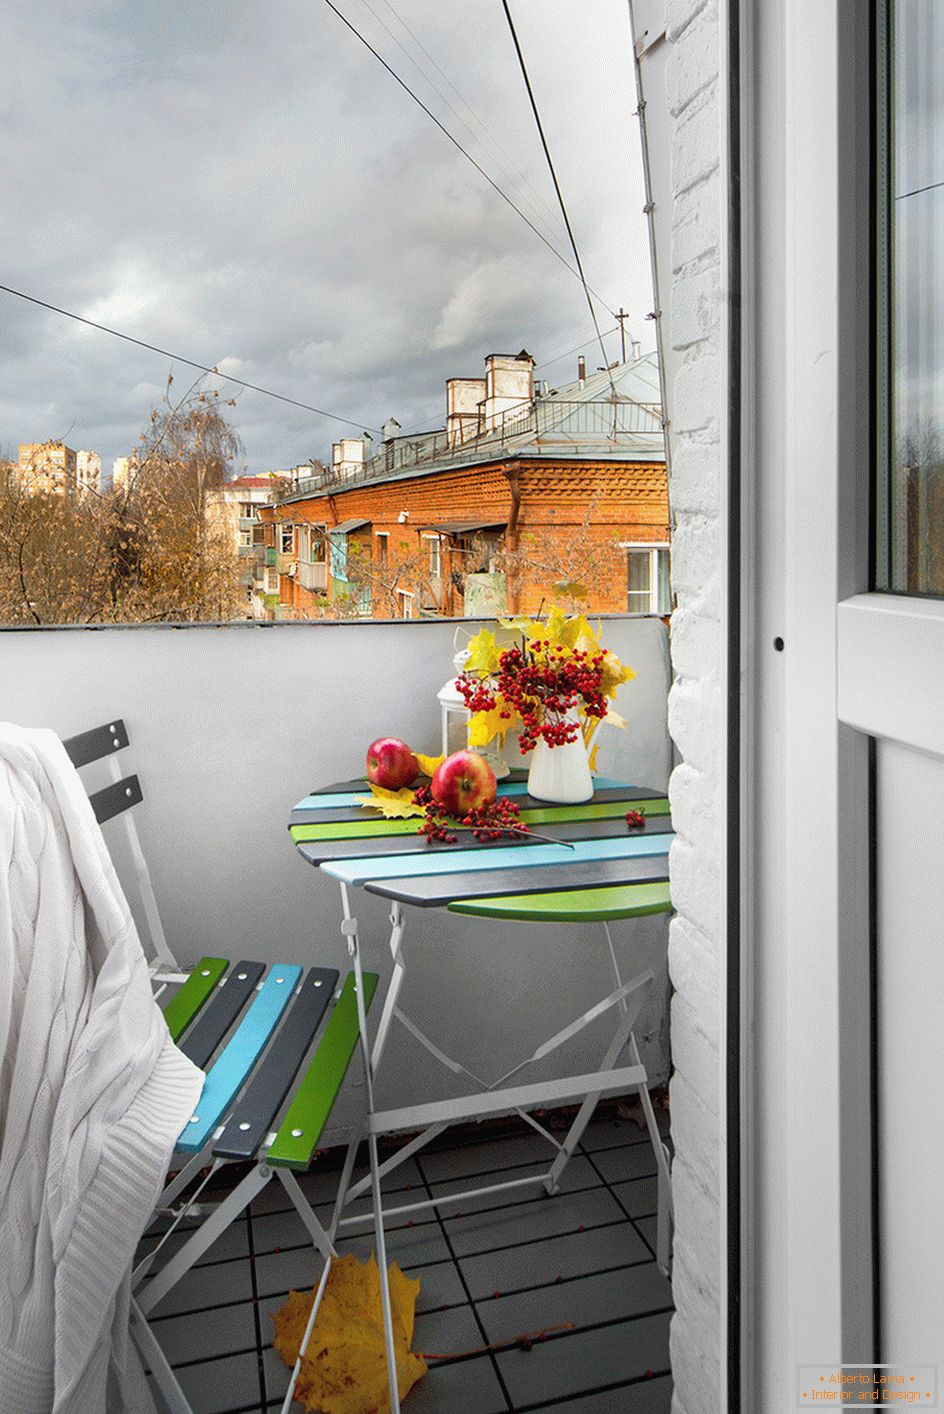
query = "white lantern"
x=455 y=717
x=453 y=711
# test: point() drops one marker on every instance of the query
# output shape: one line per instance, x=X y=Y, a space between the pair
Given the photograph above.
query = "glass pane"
x=914 y=300
x=638 y=581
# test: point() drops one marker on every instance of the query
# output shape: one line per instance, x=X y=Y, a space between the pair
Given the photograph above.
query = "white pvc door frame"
x=808 y=1260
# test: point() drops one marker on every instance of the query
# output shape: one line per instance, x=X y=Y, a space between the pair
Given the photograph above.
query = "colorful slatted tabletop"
x=588 y=866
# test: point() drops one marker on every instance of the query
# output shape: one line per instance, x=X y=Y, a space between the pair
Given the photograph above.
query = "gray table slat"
x=338 y=814
x=324 y=851
x=220 y=1012
x=252 y=1119
x=434 y=890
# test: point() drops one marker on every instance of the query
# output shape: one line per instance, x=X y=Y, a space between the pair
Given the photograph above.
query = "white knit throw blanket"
x=93 y=1092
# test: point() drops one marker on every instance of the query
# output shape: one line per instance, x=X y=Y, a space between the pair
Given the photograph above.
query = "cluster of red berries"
x=486 y=822
x=635 y=820
x=542 y=682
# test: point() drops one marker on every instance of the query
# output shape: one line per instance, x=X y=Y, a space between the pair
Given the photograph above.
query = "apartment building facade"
x=526 y=491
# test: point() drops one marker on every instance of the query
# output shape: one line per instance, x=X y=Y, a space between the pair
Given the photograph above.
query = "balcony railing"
x=548 y=421
x=313 y=575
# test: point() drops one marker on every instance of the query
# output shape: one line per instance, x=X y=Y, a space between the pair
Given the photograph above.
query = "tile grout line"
x=465 y=1287
x=598 y=1389
x=622 y=1206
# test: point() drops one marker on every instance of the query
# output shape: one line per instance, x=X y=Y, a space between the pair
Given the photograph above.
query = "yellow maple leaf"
x=392 y=804
x=484 y=726
x=344 y=1369
x=484 y=653
x=428 y=764
x=615 y=720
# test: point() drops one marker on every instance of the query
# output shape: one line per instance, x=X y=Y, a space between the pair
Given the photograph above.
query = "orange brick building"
x=524 y=489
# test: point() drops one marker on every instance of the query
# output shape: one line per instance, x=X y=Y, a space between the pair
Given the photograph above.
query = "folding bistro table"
x=590 y=867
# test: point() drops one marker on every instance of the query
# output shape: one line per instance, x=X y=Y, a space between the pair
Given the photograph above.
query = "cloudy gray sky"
x=243 y=184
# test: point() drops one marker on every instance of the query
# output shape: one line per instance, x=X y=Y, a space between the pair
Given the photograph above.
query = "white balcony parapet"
x=313 y=575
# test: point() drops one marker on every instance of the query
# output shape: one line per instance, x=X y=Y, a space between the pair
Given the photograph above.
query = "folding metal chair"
x=257 y=1026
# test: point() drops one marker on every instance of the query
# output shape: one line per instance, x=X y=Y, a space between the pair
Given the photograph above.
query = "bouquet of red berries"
x=543 y=682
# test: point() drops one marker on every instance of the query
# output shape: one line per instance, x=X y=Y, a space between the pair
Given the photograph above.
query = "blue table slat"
x=239 y=1056
x=406 y=866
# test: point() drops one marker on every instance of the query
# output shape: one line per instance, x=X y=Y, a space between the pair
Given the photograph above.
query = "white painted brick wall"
x=696 y=715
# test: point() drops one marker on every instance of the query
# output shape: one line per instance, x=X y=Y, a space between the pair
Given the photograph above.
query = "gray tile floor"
x=491 y=1273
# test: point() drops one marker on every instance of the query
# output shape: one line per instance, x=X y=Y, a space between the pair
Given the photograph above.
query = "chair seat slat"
x=218 y=1015
x=307 y=1115
x=253 y=1116
x=240 y=1054
x=184 y=1005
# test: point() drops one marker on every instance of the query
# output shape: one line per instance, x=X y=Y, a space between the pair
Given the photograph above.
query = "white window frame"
x=407 y=598
x=435 y=554
x=245 y=539
x=286 y=534
x=654 y=548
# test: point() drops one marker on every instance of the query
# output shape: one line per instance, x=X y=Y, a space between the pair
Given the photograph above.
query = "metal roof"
x=347 y=526
x=464 y=527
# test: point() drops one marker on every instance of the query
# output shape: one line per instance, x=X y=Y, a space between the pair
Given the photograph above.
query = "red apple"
x=391 y=763
x=462 y=782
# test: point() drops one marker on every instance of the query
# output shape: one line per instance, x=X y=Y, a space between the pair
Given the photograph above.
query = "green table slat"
x=372 y=826
x=317 y=1093
x=184 y=1005
x=572 y=905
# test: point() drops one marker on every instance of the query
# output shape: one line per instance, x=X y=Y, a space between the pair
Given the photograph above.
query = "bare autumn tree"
x=140 y=554
x=570 y=570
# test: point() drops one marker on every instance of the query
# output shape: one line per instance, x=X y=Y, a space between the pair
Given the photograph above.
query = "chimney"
x=637 y=349
x=390 y=428
x=581 y=370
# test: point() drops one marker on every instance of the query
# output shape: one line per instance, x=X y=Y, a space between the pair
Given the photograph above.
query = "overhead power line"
x=466 y=154
x=556 y=358
x=178 y=358
x=557 y=188
x=520 y=180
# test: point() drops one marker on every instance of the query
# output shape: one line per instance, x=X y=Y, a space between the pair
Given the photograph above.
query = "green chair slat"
x=371 y=826
x=314 y=1099
x=572 y=905
x=184 y=1004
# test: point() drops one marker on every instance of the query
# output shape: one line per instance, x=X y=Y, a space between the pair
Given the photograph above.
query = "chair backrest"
x=117 y=799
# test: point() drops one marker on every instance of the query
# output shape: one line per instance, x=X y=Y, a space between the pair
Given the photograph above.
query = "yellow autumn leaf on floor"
x=392 y=804
x=344 y=1370
x=428 y=764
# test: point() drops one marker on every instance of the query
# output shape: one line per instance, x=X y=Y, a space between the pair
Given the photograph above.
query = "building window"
x=247 y=510
x=647 y=579
x=245 y=538
x=406 y=603
x=435 y=557
x=382 y=541
x=287 y=539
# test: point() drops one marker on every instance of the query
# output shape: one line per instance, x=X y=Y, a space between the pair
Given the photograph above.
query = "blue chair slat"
x=220 y=1012
x=235 y=1062
x=251 y=1120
